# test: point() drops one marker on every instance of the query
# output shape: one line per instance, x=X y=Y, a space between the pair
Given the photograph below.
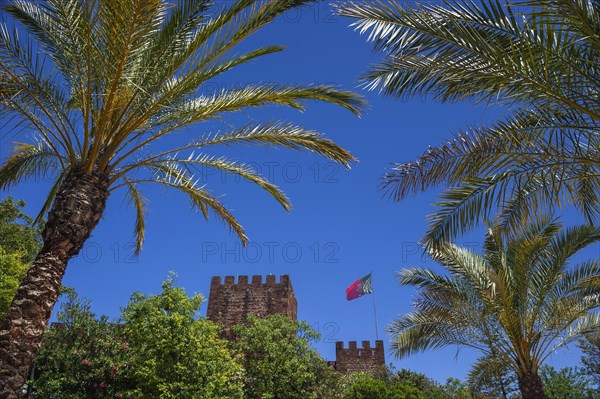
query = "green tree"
x=102 y=87
x=345 y=382
x=429 y=388
x=456 y=389
x=373 y=386
x=12 y=271
x=401 y=391
x=566 y=383
x=369 y=389
x=20 y=241
x=18 y=232
x=520 y=300
x=162 y=349
x=278 y=359
x=590 y=346
x=175 y=354
x=82 y=356
x=540 y=59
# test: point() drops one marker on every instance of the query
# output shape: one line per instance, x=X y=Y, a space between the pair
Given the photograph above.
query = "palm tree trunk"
x=76 y=211
x=531 y=387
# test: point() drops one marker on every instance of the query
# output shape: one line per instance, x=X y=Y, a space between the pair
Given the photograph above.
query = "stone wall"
x=354 y=358
x=229 y=303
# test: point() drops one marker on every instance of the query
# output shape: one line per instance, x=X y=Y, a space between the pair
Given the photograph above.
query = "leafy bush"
x=369 y=389
x=566 y=383
x=162 y=349
x=82 y=356
x=278 y=359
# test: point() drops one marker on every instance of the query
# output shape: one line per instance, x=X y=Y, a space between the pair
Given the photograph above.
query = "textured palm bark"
x=531 y=387
x=76 y=211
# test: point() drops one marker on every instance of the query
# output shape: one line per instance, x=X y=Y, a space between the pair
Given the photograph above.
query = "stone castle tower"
x=353 y=358
x=230 y=302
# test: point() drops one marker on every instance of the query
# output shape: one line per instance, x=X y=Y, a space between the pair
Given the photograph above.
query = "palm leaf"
x=28 y=161
x=539 y=59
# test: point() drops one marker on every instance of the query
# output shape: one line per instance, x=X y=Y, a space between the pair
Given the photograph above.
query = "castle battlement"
x=230 y=302
x=355 y=358
x=271 y=281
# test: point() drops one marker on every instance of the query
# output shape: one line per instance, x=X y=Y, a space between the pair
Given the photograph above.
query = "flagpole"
x=374 y=309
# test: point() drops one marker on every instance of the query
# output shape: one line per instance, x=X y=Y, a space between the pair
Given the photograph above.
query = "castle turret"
x=230 y=303
x=354 y=358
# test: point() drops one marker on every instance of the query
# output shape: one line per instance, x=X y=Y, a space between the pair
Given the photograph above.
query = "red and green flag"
x=360 y=287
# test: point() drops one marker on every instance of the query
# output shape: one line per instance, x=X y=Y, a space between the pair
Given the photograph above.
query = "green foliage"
x=12 y=271
x=18 y=232
x=566 y=383
x=278 y=359
x=429 y=388
x=590 y=346
x=19 y=244
x=457 y=389
x=176 y=355
x=162 y=350
x=369 y=389
x=540 y=59
x=377 y=385
x=345 y=382
x=82 y=356
x=401 y=391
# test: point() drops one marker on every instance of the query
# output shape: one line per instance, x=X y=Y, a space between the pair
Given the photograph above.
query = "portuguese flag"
x=360 y=287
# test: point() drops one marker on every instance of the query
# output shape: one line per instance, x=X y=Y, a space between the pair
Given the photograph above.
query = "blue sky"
x=341 y=227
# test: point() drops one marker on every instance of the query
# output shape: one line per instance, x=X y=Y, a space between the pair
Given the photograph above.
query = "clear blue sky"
x=341 y=227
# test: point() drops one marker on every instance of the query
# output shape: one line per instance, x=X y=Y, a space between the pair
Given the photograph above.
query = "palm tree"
x=104 y=85
x=538 y=58
x=518 y=302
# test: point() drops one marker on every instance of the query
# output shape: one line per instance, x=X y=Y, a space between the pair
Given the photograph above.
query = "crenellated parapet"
x=256 y=281
x=356 y=358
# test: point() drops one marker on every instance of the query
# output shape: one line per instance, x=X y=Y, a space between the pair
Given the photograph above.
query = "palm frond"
x=466 y=50
x=172 y=176
x=540 y=59
x=580 y=280
x=532 y=160
x=194 y=164
x=33 y=97
x=138 y=201
x=284 y=135
x=29 y=161
x=525 y=142
x=582 y=17
x=58 y=26
x=416 y=333
x=275 y=134
x=205 y=107
x=589 y=323
x=225 y=165
x=492 y=371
